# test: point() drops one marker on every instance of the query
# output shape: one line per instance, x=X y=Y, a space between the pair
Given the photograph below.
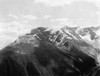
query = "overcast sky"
x=19 y=16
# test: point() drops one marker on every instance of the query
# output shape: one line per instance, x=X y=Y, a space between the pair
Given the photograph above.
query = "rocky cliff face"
x=42 y=53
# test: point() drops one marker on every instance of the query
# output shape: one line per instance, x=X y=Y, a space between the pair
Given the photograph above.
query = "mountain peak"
x=66 y=36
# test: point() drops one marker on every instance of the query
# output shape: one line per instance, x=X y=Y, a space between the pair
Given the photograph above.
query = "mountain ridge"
x=58 y=38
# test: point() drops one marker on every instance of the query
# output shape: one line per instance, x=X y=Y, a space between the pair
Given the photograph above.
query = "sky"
x=18 y=17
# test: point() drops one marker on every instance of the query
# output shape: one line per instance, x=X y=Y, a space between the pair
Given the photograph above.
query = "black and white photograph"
x=49 y=37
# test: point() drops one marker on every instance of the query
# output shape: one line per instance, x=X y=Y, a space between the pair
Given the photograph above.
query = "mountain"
x=43 y=53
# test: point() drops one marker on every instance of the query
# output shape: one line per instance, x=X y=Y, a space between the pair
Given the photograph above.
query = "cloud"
x=60 y=19
x=29 y=17
x=14 y=16
x=63 y=2
x=96 y=2
x=10 y=31
x=4 y=38
x=48 y=16
x=14 y=28
x=54 y=2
